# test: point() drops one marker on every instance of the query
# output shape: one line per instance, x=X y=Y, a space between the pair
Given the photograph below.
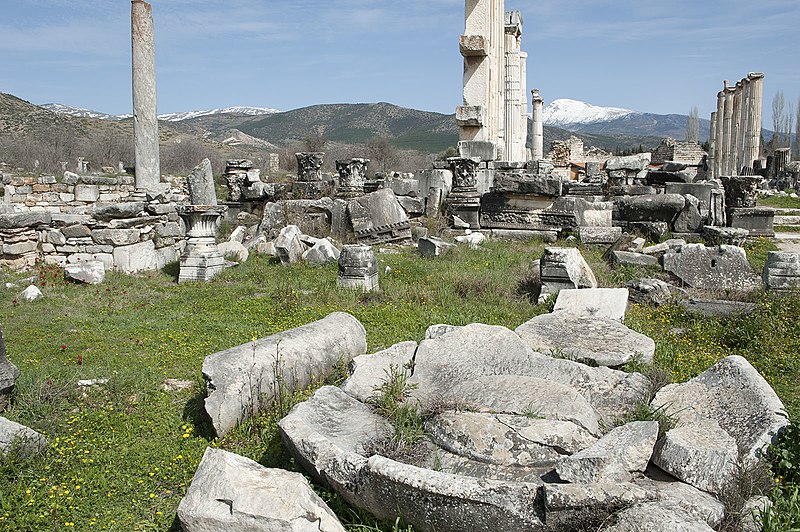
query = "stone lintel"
x=471 y=115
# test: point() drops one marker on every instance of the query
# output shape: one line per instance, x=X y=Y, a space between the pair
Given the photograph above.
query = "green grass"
x=122 y=454
x=780 y=202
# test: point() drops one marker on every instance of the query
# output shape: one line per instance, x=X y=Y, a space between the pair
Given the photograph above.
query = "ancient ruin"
x=736 y=127
x=145 y=123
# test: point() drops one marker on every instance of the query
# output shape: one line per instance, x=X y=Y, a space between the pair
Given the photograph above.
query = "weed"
x=391 y=401
x=644 y=412
x=748 y=481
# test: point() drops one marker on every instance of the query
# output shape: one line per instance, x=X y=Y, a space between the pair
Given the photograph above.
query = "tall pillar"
x=712 y=143
x=537 y=139
x=481 y=117
x=523 y=104
x=735 y=125
x=718 y=126
x=755 y=117
x=514 y=97
x=741 y=142
x=145 y=121
x=726 y=130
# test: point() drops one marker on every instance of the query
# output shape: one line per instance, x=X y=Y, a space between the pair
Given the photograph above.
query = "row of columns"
x=736 y=126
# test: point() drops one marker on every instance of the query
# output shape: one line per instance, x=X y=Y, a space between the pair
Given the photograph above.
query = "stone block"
x=471 y=149
x=91 y=272
x=116 y=237
x=599 y=235
x=595 y=302
x=470 y=116
x=87 y=193
x=137 y=257
x=627 y=258
x=433 y=247
x=719 y=268
x=473 y=45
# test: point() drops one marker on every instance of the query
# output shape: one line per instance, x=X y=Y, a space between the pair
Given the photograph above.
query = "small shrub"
x=389 y=400
x=785 y=456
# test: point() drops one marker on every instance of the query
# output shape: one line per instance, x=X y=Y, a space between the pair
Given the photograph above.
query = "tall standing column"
x=522 y=132
x=712 y=142
x=514 y=143
x=726 y=130
x=735 y=126
x=719 y=127
x=755 y=117
x=741 y=141
x=145 y=121
x=537 y=140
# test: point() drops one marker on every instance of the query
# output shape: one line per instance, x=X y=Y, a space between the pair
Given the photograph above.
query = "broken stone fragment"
x=233 y=493
x=609 y=303
x=620 y=453
x=717 y=268
x=288 y=246
x=8 y=374
x=19 y=438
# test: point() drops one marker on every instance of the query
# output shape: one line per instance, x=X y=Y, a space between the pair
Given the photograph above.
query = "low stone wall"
x=81 y=218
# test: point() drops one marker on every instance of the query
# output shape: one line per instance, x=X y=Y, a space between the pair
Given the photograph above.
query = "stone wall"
x=81 y=218
x=689 y=153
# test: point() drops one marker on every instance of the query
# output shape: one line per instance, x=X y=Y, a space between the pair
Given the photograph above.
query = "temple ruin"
x=736 y=127
x=145 y=121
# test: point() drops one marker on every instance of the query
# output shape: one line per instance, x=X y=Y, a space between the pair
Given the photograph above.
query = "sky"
x=647 y=55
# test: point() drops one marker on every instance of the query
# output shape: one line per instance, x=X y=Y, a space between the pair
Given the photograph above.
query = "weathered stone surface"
x=378 y=217
x=717 y=308
x=18 y=220
x=358 y=268
x=442 y=502
x=651 y=207
x=9 y=373
x=621 y=452
x=368 y=372
x=32 y=293
x=87 y=193
x=658 y=517
x=733 y=394
x=329 y=435
x=92 y=272
x=244 y=379
x=525 y=183
x=288 y=246
x=732 y=236
x=720 y=268
x=782 y=271
x=76 y=231
x=473 y=239
x=235 y=249
x=433 y=247
x=599 y=235
x=138 y=257
x=233 y=493
x=594 y=302
x=113 y=211
x=565 y=504
x=626 y=258
x=412 y=205
x=639 y=161
x=700 y=504
x=605 y=341
x=201 y=185
x=522 y=395
x=649 y=292
x=19 y=438
x=116 y=237
x=435 y=331
x=507 y=439
x=753 y=512
x=689 y=220
x=564 y=268
x=700 y=453
x=322 y=252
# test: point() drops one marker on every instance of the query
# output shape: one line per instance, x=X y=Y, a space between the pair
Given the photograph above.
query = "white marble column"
x=522 y=131
x=537 y=140
x=726 y=130
x=718 y=126
x=753 y=140
x=712 y=142
x=735 y=126
x=145 y=121
x=514 y=144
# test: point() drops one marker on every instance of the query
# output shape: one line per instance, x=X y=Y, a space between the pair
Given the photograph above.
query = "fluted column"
x=145 y=121
x=735 y=125
x=755 y=116
x=537 y=141
x=720 y=131
x=726 y=130
x=712 y=142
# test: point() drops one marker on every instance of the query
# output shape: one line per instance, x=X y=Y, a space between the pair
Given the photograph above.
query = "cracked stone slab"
x=369 y=372
x=233 y=493
x=605 y=341
x=620 y=453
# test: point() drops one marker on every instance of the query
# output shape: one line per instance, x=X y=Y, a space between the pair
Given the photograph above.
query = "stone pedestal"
x=201 y=259
x=741 y=192
x=358 y=268
x=464 y=199
x=239 y=175
x=352 y=177
x=759 y=221
x=309 y=174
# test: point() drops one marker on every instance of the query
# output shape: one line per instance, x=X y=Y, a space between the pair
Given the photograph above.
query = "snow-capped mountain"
x=565 y=112
x=171 y=117
x=250 y=111
x=78 y=112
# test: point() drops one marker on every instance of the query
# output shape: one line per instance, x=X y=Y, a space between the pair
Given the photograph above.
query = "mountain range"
x=609 y=128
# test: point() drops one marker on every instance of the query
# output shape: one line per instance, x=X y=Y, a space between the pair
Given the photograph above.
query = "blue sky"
x=653 y=56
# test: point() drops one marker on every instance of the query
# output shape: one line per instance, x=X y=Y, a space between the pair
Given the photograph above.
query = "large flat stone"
x=244 y=379
x=718 y=268
x=233 y=493
x=369 y=372
x=734 y=395
x=658 y=517
x=605 y=341
x=594 y=302
x=19 y=438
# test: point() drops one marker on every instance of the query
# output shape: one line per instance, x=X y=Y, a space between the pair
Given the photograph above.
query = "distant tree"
x=382 y=153
x=316 y=141
x=693 y=126
x=452 y=151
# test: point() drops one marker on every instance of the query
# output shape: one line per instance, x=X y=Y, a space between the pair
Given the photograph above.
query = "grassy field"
x=122 y=453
